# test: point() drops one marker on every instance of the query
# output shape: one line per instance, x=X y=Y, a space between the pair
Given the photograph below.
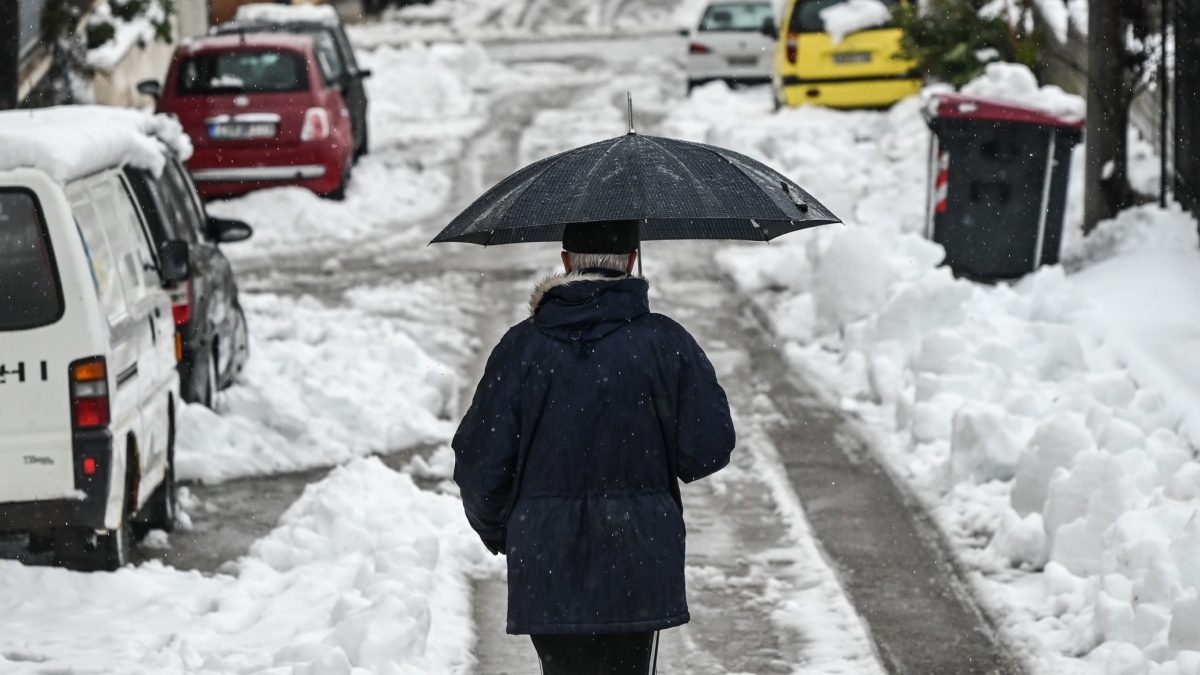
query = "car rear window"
x=30 y=295
x=806 y=16
x=237 y=72
x=736 y=17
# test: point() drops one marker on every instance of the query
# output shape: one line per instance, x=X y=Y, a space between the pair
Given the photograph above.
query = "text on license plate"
x=852 y=57
x=235 y=130
x=742 y=61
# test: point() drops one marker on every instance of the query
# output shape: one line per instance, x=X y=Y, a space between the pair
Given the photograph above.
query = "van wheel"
x=159 y=511
x=84 y=550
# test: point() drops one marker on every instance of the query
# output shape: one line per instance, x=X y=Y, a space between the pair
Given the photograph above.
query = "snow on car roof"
x=68 y=142
x=250 y=40
x=287 y=13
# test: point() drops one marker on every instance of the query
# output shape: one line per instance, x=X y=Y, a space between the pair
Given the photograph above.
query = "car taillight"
x=181 y=302
x=697 y=48
x=316 y=125
x=793 y=45
x=89 y=393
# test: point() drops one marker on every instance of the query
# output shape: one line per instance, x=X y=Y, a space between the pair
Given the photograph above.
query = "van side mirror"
x=173 y=261
x=227 y=230
x=364 y=72
x=769 y=29
x=684 y=32
x=150 y=88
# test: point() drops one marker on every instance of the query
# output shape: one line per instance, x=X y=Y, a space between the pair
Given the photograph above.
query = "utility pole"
x=1106 y=189
x=1164 y=103
x=10 y=53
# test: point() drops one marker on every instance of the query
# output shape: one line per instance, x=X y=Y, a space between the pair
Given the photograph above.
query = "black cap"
x=611 y=236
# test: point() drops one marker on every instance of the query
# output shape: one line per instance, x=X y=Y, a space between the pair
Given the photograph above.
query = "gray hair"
x=608 y=261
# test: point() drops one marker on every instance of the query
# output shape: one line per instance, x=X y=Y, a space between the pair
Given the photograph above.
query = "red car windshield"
x=236 y=72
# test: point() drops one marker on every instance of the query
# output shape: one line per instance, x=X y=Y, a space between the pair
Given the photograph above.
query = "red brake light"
x=316 y=125
x=697 y=48
x=181 y=303
x=793 y=46
x=91 y=412
x=89 y=466
x=89 y=393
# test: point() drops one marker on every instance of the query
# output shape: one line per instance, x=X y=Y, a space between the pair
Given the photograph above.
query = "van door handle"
x=153 y=331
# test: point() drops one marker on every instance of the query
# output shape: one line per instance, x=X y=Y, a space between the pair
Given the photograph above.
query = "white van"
x=88 y=385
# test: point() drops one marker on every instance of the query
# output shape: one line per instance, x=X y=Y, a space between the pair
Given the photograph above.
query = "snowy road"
x=328 y=285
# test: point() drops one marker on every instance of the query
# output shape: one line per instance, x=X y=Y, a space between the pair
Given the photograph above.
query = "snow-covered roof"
x=72 y=141
x=273 y=13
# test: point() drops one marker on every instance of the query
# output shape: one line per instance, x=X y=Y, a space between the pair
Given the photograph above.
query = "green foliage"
x=947 y=40
x=99 y=33
x=62 y=17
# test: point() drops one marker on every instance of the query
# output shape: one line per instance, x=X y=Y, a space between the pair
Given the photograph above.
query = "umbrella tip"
x=629 y=105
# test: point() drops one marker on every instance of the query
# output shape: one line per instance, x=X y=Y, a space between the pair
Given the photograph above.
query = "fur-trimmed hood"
x=585 y=306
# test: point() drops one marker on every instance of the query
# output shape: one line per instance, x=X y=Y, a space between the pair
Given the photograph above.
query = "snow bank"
x=479 y=19
x=852 y=16
x=365 y=572
x=71 y=141
x=1059 y=466
x=321 y=387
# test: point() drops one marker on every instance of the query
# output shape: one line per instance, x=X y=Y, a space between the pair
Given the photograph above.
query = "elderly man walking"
x=588 y=415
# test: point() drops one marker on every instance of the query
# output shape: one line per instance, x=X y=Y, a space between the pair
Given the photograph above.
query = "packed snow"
x=852 y=16
x=1048 y=424
x=365 y=571
x=72 y=141
x=322 y=386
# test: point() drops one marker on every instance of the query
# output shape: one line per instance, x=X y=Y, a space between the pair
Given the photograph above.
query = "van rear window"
x=806 y=15
x=30 y=295
x=237 y=72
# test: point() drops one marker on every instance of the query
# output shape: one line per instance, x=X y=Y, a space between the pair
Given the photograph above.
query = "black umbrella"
x=677 y=189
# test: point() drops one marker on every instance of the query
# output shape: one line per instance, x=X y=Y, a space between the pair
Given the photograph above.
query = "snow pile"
x=269 y=12
x=1026 y=421
x=478 y=19
x=852 y=16
x=381 y=197
x=322 y=386
x=72 y=141
x=421 y=92
x=1015 y=83
x=365 y=571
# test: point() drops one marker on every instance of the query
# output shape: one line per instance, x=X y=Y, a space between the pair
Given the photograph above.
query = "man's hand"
x=495 y=546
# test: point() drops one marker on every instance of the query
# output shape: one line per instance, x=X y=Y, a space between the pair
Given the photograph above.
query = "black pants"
x=605 y=654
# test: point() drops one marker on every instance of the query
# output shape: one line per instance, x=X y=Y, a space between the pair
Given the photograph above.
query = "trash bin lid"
x=959 y=106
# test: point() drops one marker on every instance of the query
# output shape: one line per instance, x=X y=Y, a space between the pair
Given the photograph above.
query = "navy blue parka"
x=569 y=459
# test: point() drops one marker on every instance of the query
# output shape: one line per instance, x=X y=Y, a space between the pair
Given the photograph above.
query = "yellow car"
x=859 y=71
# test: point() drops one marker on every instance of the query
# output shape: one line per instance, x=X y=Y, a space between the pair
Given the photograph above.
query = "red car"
x=262 y=110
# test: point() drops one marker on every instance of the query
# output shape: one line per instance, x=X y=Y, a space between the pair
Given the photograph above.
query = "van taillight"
x=89 y=393
x=793 y=45
x=697 y=48
x=181 y=302
x=316 y=125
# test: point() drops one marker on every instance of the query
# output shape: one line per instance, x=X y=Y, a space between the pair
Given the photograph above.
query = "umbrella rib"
x=595 y=167
x=706 y=193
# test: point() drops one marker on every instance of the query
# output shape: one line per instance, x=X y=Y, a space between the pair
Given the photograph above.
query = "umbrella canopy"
x=676 y=189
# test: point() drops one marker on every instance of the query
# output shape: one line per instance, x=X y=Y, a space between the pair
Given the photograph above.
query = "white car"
x=88 y=385
x=734 y=42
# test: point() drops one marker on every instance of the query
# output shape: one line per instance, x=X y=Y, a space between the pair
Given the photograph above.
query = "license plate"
x=843 y=58
x=238 y=130
x=742 y=61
